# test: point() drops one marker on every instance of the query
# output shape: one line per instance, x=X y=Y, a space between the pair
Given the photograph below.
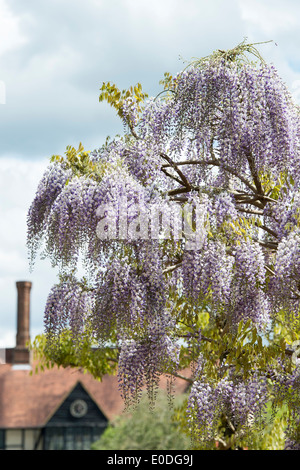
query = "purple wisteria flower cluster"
x=68 y=305
x=214 y=161
x=143 y=362
x=242 y=404
x=49 y=188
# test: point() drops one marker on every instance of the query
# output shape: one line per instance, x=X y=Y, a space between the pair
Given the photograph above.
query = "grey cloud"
x=53 y=79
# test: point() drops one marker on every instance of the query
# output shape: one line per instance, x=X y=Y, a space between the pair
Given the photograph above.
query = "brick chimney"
x=23 y=320
x=20 y=354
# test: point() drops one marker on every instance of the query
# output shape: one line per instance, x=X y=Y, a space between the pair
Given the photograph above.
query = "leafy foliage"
x=142 y=429
x=96 y=361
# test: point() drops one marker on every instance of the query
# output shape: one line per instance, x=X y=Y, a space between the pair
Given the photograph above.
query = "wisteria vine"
x=189 y=222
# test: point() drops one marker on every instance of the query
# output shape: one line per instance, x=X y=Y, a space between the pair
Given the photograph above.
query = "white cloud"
x=10 y=34
x=7 y=339
x=11 y=261
x=279 y=22
x=271 y=17
x=18 y=182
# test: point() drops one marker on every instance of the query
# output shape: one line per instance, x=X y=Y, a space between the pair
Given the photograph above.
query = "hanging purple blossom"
x=142 y=362
x=241 y=402
x=68 y=305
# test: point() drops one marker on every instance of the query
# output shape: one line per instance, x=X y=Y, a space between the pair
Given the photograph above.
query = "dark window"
x=2 y=439
x=71 y=438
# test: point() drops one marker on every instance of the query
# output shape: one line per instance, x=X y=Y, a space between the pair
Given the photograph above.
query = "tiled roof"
x=28 y=401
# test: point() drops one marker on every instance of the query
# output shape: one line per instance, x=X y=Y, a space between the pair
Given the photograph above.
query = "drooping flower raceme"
x=129 y=298
x=68 y=306
x=285 y=282
x=143 y=362
x=49 y=188
x=208 y=271
x=248 y=299
x=242 y=403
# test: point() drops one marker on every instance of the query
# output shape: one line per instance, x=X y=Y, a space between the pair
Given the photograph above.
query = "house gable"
x=75 y=424
x=78 y=409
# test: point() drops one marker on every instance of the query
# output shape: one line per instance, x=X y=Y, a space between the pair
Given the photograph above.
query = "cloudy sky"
x=54 y=56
